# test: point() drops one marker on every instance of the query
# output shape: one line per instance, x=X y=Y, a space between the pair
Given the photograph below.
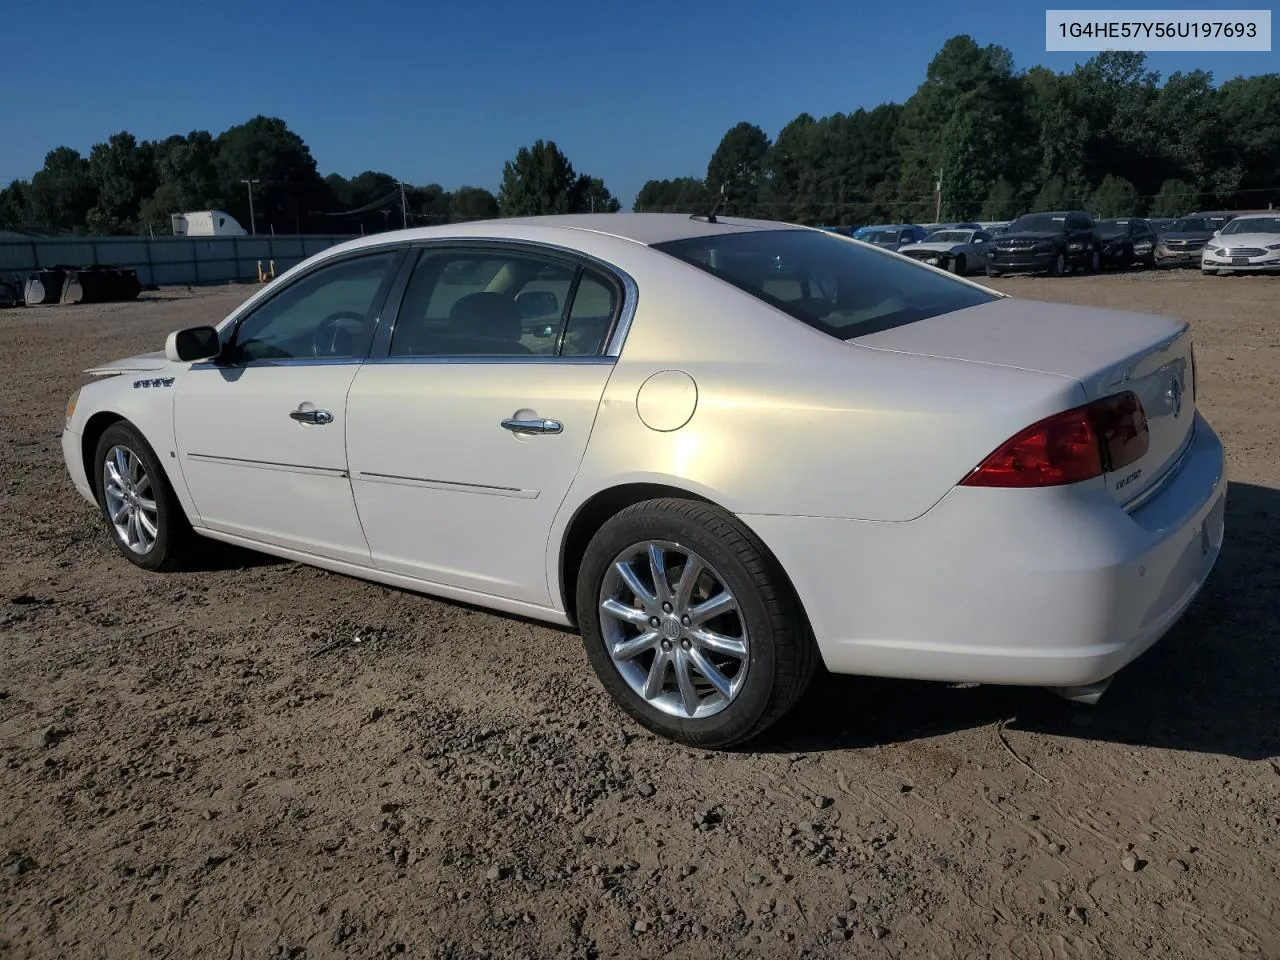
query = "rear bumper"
x=1057 y=587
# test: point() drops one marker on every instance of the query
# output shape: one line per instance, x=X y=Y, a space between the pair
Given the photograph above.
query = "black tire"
x=1059 y=265
x=781 y=655
x=992 y=273
x=174 y=540
x=1149 y=260
x=1094 y=264
x=959 y=265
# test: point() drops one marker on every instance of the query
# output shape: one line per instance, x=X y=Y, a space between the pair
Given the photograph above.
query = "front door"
x=464 y=439
x=261 y=433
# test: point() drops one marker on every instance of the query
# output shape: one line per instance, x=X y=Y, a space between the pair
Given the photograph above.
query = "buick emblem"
x=1175 y=395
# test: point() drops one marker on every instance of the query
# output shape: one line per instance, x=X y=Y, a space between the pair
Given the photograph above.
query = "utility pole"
x=937 y=207
x=253 y=225
x=404 y=207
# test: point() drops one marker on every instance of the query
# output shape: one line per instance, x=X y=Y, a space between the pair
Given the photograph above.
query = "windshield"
x=1113 y=228
x=835 y=286
x=883 y=236
x=1039 y=223
x=1197 y=224
x=950 y=236
x=1253 y=225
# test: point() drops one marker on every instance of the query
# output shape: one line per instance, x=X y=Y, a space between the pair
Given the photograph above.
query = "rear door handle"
x=533 y=426
x=312 y=416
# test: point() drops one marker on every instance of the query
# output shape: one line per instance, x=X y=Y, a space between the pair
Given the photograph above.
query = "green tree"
x=1115 y=197
x=124 y=175
x=968 y=123
x=266 y=150
x=62 y=192
x=738 y=168
x=187 y=175
x=1176 y=198
x=1250 y=110
x=15 y=205
x=1057 y=195
x=681 y=195
x=540 y=180
x=472 y=203
x=594 y=197
x=1001 y=202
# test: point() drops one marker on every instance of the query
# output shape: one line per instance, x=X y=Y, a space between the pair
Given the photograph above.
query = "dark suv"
x=1046 y=243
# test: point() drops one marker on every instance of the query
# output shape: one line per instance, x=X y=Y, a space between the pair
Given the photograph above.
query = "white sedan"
x=1250 y=242
x=725 y=450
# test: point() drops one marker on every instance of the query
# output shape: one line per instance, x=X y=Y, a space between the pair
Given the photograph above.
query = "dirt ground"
x=209 y=764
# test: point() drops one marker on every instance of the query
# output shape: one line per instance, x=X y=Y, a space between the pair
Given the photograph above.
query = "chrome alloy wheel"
x=673 y=629
x=130 y=499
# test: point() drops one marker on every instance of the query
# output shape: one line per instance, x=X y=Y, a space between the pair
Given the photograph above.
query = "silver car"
x=960 y=251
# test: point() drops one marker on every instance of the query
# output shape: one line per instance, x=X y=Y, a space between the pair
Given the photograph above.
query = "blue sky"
x=445 y=92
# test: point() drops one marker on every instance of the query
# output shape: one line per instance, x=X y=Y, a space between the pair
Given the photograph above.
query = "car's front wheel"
x=144 y=518
x=690 y=624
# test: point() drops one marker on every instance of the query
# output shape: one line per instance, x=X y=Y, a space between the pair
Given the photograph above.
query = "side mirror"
x=537 y=303
x=192 y=344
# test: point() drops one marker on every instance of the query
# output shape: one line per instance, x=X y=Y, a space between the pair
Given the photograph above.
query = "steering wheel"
x=331 y=338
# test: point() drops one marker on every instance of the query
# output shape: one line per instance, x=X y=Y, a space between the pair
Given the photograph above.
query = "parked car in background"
x=931 y=229
x=1126 y=241
x=722 y=477
x=895 y=235
x=1049 y=243
x=960 y=251
x=1249 y=243
x=1182 y=242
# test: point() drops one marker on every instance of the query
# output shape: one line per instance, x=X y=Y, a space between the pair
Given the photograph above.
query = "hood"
x=141 y=363
x=1263 y=240
x=926 y=245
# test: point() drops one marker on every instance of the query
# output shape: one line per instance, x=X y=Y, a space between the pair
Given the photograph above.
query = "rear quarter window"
x=841 y=288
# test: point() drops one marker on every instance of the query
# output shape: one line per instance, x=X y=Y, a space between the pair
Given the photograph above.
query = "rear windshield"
x=843 y=289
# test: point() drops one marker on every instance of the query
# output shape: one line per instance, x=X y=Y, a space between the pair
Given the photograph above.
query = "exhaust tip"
x=1088 y=694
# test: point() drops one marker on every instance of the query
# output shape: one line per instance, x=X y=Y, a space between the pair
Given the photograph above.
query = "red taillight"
x=1068 y=447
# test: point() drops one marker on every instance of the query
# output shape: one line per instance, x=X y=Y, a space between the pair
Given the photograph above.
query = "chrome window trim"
x=619 y=327
x=500 y=358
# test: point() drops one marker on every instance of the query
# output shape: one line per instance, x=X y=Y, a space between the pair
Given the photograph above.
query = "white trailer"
x=206 y=223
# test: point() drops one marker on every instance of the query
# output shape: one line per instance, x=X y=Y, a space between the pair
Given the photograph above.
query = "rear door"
x=464 y=437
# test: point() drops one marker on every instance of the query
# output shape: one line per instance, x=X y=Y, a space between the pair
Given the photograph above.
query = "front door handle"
x=533 y=426
x=312 y=416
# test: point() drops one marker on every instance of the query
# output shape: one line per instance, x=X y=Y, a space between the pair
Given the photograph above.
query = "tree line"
x=127 y=186
x=1108 y=136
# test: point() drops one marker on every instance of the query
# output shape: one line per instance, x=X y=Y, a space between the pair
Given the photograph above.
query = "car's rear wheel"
x=690 y=623
x=144 y=518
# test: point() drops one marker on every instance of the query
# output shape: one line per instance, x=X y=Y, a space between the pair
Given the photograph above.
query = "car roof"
x=644 y=228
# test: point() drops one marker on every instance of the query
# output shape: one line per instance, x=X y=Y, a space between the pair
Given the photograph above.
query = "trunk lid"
x=1105 y=351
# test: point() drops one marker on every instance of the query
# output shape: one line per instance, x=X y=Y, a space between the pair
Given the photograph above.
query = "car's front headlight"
x=71 y=405
x=1212 y=249
x=1274 y=246
x=1074 y=247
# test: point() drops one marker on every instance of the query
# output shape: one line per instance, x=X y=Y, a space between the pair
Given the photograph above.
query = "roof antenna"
x=710 y=217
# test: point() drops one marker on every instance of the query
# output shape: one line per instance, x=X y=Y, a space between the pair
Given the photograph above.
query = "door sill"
x=361 y=571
